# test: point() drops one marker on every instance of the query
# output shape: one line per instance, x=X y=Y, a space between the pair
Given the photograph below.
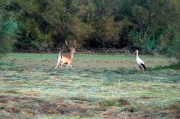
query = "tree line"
x=152 y=26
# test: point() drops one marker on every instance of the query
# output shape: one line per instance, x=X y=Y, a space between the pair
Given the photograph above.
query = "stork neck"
x=136 y=54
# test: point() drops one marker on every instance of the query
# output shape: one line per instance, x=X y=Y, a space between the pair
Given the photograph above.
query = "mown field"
x=99 y=86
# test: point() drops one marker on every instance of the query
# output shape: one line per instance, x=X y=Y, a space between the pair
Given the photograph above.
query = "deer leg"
x=62 y=64
x=57 y=64
x=71 y=66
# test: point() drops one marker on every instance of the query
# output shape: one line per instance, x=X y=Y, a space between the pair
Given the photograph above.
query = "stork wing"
x=141 y=61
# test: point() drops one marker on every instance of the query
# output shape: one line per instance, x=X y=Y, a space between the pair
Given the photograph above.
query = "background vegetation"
x=7 y=28
x=151 y=26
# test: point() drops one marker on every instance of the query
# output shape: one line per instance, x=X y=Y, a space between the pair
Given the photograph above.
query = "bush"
x=7 y=30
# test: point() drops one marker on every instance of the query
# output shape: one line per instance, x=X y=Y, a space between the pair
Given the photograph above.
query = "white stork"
x=139 y=62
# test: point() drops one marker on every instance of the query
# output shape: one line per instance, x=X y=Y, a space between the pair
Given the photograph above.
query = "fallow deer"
x=66 y=58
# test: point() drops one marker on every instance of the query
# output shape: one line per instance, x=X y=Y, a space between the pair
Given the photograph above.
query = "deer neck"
x=71 y=53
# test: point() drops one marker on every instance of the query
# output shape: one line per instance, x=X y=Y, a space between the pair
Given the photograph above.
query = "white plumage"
x=139 y=62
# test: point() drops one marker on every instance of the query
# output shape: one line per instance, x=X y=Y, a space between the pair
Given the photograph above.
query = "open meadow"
x=100 y=86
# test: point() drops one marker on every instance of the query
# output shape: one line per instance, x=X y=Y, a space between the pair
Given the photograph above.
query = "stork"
x=139 y=62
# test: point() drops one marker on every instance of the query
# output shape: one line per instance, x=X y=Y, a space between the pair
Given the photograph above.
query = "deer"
x=66 y=58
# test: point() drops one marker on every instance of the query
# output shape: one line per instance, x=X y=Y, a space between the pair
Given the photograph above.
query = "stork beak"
x=134 y=52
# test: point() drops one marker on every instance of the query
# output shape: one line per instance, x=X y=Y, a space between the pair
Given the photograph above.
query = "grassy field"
x=99 y=86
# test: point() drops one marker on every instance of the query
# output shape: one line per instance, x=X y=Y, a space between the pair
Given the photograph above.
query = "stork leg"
x=139 y=68
x=143 y=70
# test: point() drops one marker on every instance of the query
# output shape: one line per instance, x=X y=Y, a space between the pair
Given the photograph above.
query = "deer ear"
x=75 y=43
x=66 y=42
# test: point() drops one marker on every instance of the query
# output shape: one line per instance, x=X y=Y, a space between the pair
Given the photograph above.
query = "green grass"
x=77 y=55
x=46 y=93
x=175 y=66
x=6 y=64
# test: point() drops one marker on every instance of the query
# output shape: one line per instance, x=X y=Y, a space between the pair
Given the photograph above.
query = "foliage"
x=7 y=28
x=148 y=25
x=151 y=30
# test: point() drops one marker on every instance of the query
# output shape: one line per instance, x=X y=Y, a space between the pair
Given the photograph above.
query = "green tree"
x=155 y=23
x=149 y=25
x=34 y=31
x=107 y=32
x=8 y=26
